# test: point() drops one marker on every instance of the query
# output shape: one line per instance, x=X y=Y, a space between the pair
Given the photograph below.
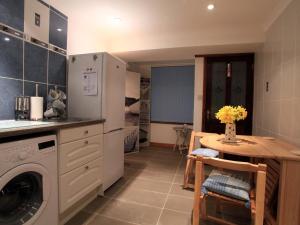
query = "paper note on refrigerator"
x=90 y=83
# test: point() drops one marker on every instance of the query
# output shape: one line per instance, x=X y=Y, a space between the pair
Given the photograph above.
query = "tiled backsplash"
x=23 y=63
x=277 y=78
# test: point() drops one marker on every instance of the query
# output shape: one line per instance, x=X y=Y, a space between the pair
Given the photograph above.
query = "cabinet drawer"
x=75 y=154
x=78 y=183
x=73 y=134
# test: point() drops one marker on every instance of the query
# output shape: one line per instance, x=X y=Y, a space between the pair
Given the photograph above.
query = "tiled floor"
x=149 y=194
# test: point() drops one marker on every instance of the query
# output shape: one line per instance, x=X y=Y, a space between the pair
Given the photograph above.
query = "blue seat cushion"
x=227 y=184
x=206 y=152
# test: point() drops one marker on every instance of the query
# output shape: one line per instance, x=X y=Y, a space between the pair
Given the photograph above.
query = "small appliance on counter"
x=29 y=108
x=36 y=105
x=22 y=108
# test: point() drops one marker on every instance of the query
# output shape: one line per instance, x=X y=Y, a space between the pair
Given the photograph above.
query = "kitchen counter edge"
x=55 y=126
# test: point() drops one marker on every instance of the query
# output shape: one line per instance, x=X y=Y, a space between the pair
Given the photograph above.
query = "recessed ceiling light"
x=117 y=20
x=210 y=6
x=6 y=39
x=59 y=29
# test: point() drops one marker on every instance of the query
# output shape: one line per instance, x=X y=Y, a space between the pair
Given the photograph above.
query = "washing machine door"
x=24 y=194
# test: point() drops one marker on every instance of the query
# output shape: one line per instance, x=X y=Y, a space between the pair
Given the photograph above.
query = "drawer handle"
x=87 y=167
x=86 y=132
x=86 y=142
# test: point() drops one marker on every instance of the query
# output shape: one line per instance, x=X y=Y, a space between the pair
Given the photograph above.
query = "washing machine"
x=29 y=181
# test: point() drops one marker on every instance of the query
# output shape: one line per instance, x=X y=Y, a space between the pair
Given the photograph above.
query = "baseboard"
x=161 y=145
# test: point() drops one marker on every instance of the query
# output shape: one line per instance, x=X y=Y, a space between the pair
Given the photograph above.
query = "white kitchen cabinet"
x=78 y=133
x=78 y=183
x=80 y=159
x=78 y=153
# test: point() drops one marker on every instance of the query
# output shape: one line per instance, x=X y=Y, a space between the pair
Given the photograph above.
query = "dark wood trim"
x=177 y=123
x=223 y=55
x=204 y=93
x=249 y=57
x=161 y=145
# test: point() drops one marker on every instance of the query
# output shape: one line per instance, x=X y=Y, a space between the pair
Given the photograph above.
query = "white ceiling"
x=167 y=29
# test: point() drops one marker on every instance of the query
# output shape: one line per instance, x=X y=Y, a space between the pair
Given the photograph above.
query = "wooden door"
x=228 y=81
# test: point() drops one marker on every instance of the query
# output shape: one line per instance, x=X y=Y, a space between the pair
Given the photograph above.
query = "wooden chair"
x=189 y=170
x=256 y=195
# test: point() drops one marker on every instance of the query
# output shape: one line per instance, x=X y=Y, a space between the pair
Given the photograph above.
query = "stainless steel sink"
x=7 y=124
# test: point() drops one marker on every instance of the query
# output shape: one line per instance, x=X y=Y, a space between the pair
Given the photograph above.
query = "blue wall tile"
x=9 y=89
x=59 y=13
x=11 y=57
x=38 y=61
x=57 y=69
x=29 y=90
x=35 y=68
x=12 y=13
x=58 y=37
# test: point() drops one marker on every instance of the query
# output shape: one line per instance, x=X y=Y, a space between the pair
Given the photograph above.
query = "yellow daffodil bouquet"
x=231 y=114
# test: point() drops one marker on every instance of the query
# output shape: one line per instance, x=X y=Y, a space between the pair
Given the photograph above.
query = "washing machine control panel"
x=20 y=153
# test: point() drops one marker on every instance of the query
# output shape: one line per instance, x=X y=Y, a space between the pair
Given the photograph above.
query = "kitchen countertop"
x=12 y=129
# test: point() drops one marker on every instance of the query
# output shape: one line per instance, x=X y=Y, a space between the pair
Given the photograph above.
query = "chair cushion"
x=206 y=152
x=227 y=184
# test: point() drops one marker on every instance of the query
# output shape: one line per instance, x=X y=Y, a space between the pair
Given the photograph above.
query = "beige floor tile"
x=178 y=190
x=170 y=217
x=160 y=153
x=135 y=164
x=142 y=197
x=101 y=220
x=155 y=175
x=149 y=185
x=130 y=172
x=181 y=167
x=178 y=179
x=174 y=218
x=81 y=218
x=152 y=165
x=96 y=205
x=179 y=203
x=130 y=212
x=115 y=188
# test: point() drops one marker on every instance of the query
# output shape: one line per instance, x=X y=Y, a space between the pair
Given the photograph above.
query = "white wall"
x=198 y=93
x=163 y=133
x=276 y=112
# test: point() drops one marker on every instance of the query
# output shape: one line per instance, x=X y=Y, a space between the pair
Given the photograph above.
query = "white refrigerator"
x=96 y=90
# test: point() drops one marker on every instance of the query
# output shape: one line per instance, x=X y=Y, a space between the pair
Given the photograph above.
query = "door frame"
x=250 y=57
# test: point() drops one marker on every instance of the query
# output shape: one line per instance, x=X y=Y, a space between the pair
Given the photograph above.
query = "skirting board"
x=161 y=145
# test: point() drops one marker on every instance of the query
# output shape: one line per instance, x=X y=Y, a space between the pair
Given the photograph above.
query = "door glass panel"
x=238 y=83
x=218 y=87
x=21 y=198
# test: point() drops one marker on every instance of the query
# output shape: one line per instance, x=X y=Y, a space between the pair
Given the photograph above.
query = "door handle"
x=207 y=114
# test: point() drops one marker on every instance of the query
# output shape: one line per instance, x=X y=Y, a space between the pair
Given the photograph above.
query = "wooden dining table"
x=282 y=159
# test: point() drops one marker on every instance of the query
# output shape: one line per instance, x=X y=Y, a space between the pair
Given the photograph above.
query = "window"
x=172 y=94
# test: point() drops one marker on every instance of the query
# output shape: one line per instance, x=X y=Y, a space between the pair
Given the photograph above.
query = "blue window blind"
x=172 y=94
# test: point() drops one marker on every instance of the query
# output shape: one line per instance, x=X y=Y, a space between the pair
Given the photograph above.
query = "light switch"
x=37 y=20
x=267 y=86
